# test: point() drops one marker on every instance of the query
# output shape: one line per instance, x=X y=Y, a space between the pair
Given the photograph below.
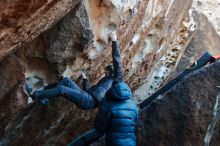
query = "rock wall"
x=12 y=96
x=151 y=43
x=151 y=33
x=206 y=37
x=201 y=36
x=55 y=124
x=182 y=116
x=22 y=21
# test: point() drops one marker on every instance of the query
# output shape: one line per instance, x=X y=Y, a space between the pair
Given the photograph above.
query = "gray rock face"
x=22 y=21
x=69 y=37
x=12 y=96
x=55 y=124
x=181 y=117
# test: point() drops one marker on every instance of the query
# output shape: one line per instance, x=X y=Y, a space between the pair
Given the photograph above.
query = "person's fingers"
x=32 y=92
x=84 y=75
x=113 y=35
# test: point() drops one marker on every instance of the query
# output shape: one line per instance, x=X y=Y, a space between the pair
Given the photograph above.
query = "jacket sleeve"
x=117 y=61
x=85 y=84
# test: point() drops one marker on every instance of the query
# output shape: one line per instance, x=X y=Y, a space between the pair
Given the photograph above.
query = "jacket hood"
x=120 y=91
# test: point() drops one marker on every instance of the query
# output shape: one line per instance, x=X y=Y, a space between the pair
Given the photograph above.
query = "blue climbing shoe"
x=28 y=89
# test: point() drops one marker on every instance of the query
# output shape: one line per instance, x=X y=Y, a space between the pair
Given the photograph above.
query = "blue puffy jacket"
x=117 y=117
x=99 y=90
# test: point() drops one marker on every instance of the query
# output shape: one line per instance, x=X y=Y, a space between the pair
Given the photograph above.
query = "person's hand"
x=113 y=36
x=84 y=75
x=32 y=93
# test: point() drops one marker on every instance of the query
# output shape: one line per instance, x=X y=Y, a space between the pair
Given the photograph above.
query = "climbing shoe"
x=28 y=89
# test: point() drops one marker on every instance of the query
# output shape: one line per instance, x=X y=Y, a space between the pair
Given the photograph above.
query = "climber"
x=88 y=97
x=117 y=115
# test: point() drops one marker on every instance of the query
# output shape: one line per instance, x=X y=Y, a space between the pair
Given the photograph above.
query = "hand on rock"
x=32 y=93
x=84 y=75
x=113 y=36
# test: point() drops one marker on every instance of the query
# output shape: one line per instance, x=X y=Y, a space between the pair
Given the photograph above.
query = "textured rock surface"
x=69 y=36
x=209 y=8
x=181 y=117
x=12 y=97
x=203 y=30
x=152 y=38
x=22 y=21
x=55 y=124
x=146 y=31
x=206 y=16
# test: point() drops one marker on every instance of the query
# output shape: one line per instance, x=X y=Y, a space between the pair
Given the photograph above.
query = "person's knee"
x=66 y=79
x=62 y=90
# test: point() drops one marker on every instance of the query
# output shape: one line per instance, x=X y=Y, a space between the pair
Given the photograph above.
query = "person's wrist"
x=84 y=75
x=32 y=93
x=113 y=36
x=114 y=39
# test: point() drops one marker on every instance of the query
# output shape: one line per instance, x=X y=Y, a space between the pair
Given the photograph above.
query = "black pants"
x=69 y=90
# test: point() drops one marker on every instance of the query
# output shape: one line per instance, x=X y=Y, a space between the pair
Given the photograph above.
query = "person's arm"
x=118 y=73
x=85 y=82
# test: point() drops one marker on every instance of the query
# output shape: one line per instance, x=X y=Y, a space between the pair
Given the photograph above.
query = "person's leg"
x=68 y=83
x=28 y=89
x=81 y=98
